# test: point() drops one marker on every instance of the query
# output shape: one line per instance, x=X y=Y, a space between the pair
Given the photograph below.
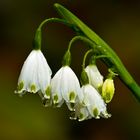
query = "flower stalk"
x=38 y=34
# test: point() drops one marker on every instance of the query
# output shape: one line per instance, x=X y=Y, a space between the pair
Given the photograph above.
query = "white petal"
x=95 y=78
x=93 y=101
x=28 y=71
x=66 y=86
x=83 y=115
x=70 y=85
x=35 y=74
x=81 y=112
x=56 y=87
x=44 y=73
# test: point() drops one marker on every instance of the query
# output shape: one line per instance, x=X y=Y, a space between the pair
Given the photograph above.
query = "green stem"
x=37 y=38
x=113 y=60
x=100 y=56
x=95 y=57
x=82 y=38
x=58 y=20
x=85 y=56
x=66 y=59
x=67 y=56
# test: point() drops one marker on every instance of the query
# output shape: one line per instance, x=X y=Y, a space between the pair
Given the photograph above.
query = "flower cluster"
x=88 y=101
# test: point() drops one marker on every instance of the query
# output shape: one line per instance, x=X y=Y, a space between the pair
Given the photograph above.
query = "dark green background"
x=116 y=21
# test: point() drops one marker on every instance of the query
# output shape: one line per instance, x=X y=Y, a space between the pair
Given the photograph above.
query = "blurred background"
x=116 y=21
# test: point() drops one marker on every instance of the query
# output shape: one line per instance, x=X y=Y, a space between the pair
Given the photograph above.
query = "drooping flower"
x=108 y=90
x=95 y=78
x=35 y=75
x=65 y=86
x=93 y=104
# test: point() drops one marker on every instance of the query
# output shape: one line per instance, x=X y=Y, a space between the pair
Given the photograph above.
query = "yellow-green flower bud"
x=108 y=90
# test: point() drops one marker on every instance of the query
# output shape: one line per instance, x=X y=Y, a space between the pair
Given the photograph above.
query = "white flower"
x=35 y=74
x=92 y=104
x=65 y=87
x=95 y=78
x=108 y=90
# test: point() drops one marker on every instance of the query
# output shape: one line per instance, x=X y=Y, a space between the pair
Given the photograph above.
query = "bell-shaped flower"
x=95 y=78
x=94 y=105
x=65 y=86
x=35 y=75
x=108 y=90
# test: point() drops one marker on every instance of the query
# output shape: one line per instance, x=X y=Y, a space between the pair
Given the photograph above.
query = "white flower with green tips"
x=35 y=75
x=95 y=77
x=65 y=86
x=93 y=104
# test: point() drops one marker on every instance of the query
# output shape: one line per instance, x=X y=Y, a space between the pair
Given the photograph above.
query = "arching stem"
x=37 y=39
x=85 y=56
x=82 y=38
